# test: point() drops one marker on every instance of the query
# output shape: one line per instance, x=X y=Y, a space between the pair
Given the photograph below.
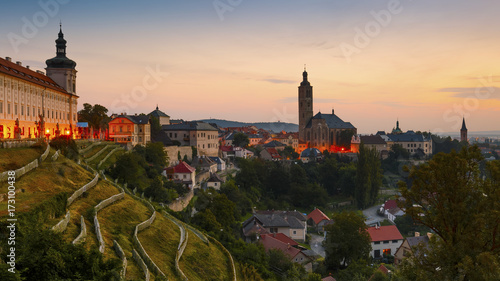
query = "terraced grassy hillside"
x=200 y=260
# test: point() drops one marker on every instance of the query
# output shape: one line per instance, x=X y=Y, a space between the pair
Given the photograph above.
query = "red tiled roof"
x=24 y=73
x=383 y=269
x=384 y=233
x=272 y=243
x=283 y=238
x=183 y=168
x=317 y=216
x=273 y=152
x=390 y=204
x=226 y=148
x=329 y=278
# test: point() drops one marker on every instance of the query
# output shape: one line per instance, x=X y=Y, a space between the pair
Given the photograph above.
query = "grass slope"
x=44 y=182
x=160 y=241
x=15 y=158
x=204 y=262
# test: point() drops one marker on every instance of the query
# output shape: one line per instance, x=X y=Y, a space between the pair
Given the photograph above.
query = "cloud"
x=279 y=81
x=481 y=92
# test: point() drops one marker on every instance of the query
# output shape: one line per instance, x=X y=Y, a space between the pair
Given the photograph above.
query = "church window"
x=22 y=109
x=15 y=109
x=1 y=107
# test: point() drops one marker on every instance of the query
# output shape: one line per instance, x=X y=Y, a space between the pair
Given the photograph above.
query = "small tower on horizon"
x=60 y=68
x=463 y=131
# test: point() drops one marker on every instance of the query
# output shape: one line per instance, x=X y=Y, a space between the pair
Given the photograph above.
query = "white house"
x=384 y=240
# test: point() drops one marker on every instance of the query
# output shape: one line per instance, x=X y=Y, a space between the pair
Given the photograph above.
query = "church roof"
x=464 y=128
x=409 y=136
x=332 y=121
x=158 y=113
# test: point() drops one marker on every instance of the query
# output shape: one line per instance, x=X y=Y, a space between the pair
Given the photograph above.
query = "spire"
x=60 y=60
x=464 y=128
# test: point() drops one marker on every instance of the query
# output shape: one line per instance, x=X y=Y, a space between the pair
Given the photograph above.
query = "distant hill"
x=472 y=134
x=268 y=126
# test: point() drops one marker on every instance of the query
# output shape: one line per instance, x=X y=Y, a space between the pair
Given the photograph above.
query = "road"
x=317 y=244
x=371 y=215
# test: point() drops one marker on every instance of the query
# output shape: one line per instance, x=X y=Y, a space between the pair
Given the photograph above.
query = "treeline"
x=141 y=169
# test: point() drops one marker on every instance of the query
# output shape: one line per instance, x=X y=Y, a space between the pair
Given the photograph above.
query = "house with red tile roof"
x=283 y=238
x=385 y=240
x=296 y=255
x=270 y=154
x=317 y=219
x=391 y=210
x=181 y=173
x=328 y=278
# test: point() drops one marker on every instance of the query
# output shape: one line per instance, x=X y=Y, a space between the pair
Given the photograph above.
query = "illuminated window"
x=387 y=251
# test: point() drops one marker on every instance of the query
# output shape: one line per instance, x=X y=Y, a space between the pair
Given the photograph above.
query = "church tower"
x=305 y=105
x=463 y=131
x=60 y=68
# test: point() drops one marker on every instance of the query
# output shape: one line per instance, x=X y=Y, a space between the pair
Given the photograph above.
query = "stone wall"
x=172 y=152
x=98 y=153
x=121 y=255
x=55 y=156
x=61 y=225
x=180 y=203
x=143 y=225
x=107 y=156
x=98 y=234
x=17 y=143
x=83 y=233
x=23 y=170
x=83 y=151
x=229 y=255
x=141 y=264
x=103 y=204
x=83 y=189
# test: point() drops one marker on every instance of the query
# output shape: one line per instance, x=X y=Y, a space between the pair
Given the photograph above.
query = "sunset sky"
x=426 y=63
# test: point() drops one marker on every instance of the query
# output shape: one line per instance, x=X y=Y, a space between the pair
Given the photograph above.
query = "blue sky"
x=426 y=64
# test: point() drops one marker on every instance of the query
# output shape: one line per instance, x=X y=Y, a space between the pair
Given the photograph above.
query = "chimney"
x=40 y=72
x=8 y=58
x=417 y=234
x=28 y=67
x=19 y=63
x=333 y=111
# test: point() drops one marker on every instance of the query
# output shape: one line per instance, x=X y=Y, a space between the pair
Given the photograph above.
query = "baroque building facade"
x=33 y=104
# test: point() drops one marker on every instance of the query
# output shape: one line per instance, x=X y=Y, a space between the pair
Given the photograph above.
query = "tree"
x=346 y=240
x=289 y=153
x=155 y=127
x=461 y=205
x=241 y=140
x=368 y=177
x=95 y=115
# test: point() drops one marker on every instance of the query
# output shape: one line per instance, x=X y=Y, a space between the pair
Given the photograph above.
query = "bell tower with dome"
x=60 y=68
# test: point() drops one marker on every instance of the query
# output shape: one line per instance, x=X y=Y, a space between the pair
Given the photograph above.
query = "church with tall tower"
x=323 y=131
x=34 y=104
x=463 y=132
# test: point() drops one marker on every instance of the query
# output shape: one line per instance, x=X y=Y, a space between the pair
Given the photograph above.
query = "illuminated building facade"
x=33 y=104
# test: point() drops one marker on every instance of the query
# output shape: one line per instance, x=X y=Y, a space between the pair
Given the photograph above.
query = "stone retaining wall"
x=141 y=264
x=98 y=153
x=180 y=203
x=83 y=233
x=98 y=234
x=17 y=143
x=61 y=225
x=83 y=189
x=143 y=225
x=228 y=253
x=23 y=170
x=121 y=255
x=83 y=151
x=107 y=156
x=55 y=156
x=103 y=204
